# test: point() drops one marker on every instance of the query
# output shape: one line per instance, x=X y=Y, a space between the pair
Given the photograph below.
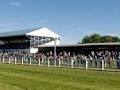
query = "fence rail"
x=64 y=62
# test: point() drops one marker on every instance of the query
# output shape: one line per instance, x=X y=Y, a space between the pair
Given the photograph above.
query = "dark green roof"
x=16 y=33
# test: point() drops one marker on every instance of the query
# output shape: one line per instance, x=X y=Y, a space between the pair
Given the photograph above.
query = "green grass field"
x=19 y=77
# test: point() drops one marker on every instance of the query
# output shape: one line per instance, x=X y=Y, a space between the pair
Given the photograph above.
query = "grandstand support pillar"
x=48 y=62
x=39 y=62
x=86 y=64
x=3 y=59
x=72 y=61
x=22 y=60
x=59 y=62
x=15 y=60
x=102 y=67
x=9 y=60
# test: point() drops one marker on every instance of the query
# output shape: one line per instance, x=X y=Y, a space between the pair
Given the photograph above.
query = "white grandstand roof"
x=44 y=32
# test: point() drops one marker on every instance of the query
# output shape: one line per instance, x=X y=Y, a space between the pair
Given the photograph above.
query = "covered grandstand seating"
x=23 y=39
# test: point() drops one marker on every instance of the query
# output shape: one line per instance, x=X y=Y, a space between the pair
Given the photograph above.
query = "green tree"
x=86 y=39
x=94 y=38
x=97 y=38
x=107 y=38
x=116 y=39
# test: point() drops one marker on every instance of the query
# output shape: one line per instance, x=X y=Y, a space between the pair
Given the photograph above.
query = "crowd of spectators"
x=94 y=57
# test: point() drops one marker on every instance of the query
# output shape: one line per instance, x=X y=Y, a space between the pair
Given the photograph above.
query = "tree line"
x=97 y=38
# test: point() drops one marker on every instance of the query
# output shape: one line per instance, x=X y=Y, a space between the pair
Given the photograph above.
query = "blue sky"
x=72 y=19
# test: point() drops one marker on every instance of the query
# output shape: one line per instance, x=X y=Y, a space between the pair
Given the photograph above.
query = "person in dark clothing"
x=118 y=61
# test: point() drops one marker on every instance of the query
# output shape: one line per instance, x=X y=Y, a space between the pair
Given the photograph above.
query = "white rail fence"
x=64 y=62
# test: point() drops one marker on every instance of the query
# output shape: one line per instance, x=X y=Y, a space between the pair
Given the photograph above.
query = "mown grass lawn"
x=19 y=77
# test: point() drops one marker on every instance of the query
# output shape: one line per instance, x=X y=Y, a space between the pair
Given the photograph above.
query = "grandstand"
x=83 y=48
x=16 y=47
x=24 y=39
x=45 y=39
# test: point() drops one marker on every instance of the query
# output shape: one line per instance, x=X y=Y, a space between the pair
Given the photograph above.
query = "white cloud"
x=15 y=3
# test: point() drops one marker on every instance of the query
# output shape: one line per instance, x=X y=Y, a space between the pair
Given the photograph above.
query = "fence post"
x=55 y=62
x=102 y=65
x=72 y=63
x=105 y=64
x=86 y=64
x=39 y=62
x=48 y=62
x=42 y=60
x=3 y=59
x=9 y=60
x=30 y=60
x=15 y=60
x=59 y=62
x=22 y=60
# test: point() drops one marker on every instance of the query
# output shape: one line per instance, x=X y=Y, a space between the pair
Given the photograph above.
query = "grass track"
x=19 y=77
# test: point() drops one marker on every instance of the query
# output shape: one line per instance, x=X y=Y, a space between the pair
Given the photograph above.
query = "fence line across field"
x=62 y=62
